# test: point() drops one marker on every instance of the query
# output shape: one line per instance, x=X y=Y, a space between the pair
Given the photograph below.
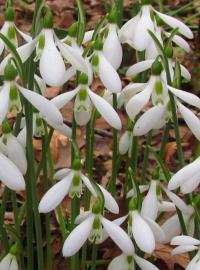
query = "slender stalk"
x=94 y=256
x=3 y=234
x=112 y=185
x=164 y=140
x=146 y=156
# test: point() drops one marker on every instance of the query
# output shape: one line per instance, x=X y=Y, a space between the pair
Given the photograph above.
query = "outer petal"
x=184 y=240
x=144 y=264
x=124 y=143
x=144 y=125
x=156 y=229
x=191 y=184
x=26 y=37
x=55 y=194
x=110 y=202
x=183 y=249
x=4 y=101
x=13 y=265
x=191 y=120
x=46 y=108
x=171 y=228
x=119 y=236
x=62 y=99
x=142 y=233
x=5 y=263
x=61 y=173
x=127 y=31
x=10 y=174
x=180 y=42
x=145 y=23
x=150 y=202
x=165 y=206
x=131 y=89
x=16 y=153
x=106 y=110
x=139 y=67
x=41 y=84
x=185 y=96
x=120 y=262
x=112 y=48
x=185 y=173
x=185 y=73
x=174 y=23
x=82 y=216
x=88 y=36
x=77 y=237
x=64 y=129
x=52 y=67
x=109 y=75
x=137 y=102
x=73 y=56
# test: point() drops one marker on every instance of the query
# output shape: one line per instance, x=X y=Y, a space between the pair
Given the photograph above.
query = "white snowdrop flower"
x=84 y=97
x=10 y=30
x=186 y=178
x=91 y=228
x=10 y=99
x=106 y=72
x=71 y=182
x=9 y=262
x=128 y=263
x=112 y=48
x=13 y=148
x=144 y=21
x=51 y=63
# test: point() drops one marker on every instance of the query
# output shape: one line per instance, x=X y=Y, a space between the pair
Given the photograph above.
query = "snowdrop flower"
x=91 y=228
x=71 y=181
x=9 y=262
x=188 y=178
x=185 y=244
x=9 y=30
x=128 y=263
x=143 y=22
x=10 y=99
x=13 y=148
x=106 y=72
x=83 y=104
x=51 y=63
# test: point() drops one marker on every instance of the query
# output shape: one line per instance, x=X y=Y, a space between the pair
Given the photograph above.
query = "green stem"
x=3 y=234
x=164 y=139
x=94 y=256
x=146 y=156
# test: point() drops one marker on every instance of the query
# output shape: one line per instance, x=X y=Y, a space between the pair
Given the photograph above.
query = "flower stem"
x=94 y=256
x=146 y=156
x=3 y=234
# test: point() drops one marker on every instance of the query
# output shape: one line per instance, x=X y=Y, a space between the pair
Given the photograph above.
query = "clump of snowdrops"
x=151 y=101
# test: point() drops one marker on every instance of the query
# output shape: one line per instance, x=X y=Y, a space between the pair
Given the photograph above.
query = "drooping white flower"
x=71 y=182
x=83 y=104
x=187 y=178
x=9 y=262
x=125 y=262
x=91 y=228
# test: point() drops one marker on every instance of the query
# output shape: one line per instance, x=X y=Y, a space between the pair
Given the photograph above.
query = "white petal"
x=64 y=129
x=41 y=84
x=77 y=237
x=149 y=120
x=55 y=194
x=139 y=67
x=73 y=56
x=184 y=240
x=194 y=263
x=26 y=37
x=150 y=202
x=62 y=99
x=80 y=218
x=183 y=249
x=88 y=184
x=109 y=75
x=133 y=192
x=186 y=96
x=124 y=143
x=88 y=36
x=185 y=173
x=142 y=233
x=131 y=89
x=119 y=236
x=127 y=31
x=171 y=228
x=5 y=263
x=165 y=206
x=191 y=120
x=4 y=101
x=144 y=264
x=10 y=174
x=61 y=173
x=180 y=42
x=82 y=117
x=191 y=184
x=145 y=23
x=137 y=102
x=182 y=206
x=16 y=153
x=69 y=73
x=4 y=31
x=21 y=137
x=185 y=73
x=120 y=262
x=13 y=265
x=156 y=229
x=46 y=108
x=112 y=48
x=174 y=23
x=52 y=67
x=106 y=110
x=110 y=202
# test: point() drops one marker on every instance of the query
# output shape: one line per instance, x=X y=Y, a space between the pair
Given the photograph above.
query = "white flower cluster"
x=58 y=61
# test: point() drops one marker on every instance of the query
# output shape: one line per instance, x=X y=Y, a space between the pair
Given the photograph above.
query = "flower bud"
x=10 y=72
x=48 y=20
x=156 y=68
x=9 y=14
